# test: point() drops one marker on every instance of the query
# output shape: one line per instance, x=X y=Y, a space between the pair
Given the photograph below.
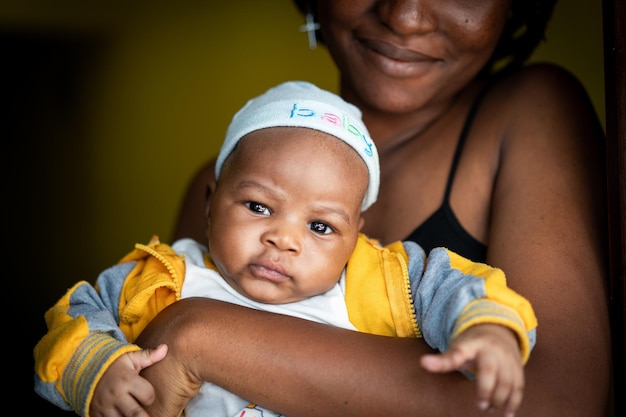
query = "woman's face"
x=398 y=55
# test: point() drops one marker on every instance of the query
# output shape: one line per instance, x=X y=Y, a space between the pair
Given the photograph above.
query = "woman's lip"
x=394 y=52
x=394 y=61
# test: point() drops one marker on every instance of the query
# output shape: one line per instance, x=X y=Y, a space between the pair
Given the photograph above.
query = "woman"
x=503 y=167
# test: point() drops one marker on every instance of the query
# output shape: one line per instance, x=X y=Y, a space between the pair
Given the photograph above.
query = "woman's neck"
x=391 y=130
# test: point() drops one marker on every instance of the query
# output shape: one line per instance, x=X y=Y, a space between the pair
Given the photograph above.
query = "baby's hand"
x=492 y=353
x=122 y=391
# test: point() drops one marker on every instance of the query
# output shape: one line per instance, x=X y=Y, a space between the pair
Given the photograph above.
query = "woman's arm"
x=548 y=233
x=297 y=367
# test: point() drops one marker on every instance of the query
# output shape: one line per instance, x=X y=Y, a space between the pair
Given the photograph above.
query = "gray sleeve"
x=439 y=292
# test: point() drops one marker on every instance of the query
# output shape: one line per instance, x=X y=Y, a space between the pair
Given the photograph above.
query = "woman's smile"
x=395 y=60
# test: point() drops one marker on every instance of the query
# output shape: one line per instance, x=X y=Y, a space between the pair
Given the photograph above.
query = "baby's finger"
x=509 y=390
x=122 y=405
x=146 y=357
x=515 y=401
x=142 y=392
x=444 y=362
x=486 y=382
x=499 y=387
x=131 y=408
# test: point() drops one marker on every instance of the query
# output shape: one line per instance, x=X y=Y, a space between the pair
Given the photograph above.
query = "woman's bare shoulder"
x=543 y=87
x=544 y=100
x=541 y=74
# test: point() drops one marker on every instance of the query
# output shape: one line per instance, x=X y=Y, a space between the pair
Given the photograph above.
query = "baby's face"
x=285 y=215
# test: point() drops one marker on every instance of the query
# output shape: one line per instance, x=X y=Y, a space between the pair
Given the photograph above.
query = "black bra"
x=442 y=228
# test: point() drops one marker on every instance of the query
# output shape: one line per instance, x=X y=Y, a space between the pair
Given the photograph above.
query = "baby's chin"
x=273 y=299
x=265 y=292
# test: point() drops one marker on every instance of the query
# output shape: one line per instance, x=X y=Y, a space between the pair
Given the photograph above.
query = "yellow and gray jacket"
x=394 y=290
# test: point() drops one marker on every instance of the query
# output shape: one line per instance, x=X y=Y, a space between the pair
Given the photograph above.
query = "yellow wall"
x=168 y=93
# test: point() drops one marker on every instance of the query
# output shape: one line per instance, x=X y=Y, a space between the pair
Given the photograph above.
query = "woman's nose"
x=407 y=17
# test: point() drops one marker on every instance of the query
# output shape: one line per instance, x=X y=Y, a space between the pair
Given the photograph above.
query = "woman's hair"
x=524 y=30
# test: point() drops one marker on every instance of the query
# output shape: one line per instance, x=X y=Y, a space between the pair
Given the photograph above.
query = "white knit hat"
x=302 y=104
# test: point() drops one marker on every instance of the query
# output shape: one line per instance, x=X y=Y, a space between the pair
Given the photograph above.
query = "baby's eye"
x=320 y=228
x=258 y=208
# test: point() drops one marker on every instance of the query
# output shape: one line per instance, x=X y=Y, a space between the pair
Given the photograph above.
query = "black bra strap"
x=459 y=147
